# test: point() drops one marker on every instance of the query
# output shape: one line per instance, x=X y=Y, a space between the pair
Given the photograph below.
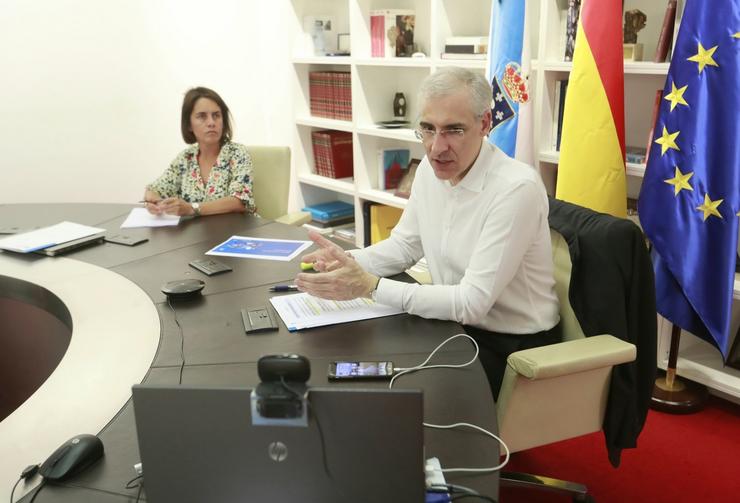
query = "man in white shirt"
x=480 y=219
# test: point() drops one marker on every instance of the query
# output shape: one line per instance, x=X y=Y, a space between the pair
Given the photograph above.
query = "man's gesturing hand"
x=339 y=276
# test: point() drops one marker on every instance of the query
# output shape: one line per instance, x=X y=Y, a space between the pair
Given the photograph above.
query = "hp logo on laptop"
x=278 y=451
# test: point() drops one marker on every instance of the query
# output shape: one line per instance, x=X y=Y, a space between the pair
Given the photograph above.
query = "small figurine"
x=399 y=106
x=634 y=21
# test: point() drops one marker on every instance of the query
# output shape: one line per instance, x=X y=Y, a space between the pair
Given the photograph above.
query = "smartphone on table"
x=348 y=370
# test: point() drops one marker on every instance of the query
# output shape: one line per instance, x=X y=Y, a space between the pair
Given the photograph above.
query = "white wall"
x=90 y=90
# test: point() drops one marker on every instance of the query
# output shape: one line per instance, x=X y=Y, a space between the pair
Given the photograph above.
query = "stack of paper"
x=140 y=217
x=302 y=310
x=39 y=239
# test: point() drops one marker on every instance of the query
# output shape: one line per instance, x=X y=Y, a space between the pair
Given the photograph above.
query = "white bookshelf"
x=374 y=84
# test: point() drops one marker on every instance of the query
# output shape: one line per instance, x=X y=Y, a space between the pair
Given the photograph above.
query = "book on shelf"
x=366 y=206
x=404 y=186
x=635 y=155
x=656 y=109
x=392 y=165
x=330 y=210
x=382 y=221
x=332 y=153
x=392 y=32
x=571 y=27
x=330 y=95
x=466 y=45
x=665 y=39
x=479 y=56
x=328 y=230
x=345 y=233
x=561 y=88
x=333 y=222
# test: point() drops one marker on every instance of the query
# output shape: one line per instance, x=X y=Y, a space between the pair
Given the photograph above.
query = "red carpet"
x=678 y=459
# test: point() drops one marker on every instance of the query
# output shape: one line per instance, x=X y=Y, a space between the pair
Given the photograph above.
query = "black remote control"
x=209 y=267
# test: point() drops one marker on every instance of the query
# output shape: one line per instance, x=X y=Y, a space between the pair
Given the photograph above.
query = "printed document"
x=302 y=310
x=140 y=217
x=267 y=249
x=45 y=237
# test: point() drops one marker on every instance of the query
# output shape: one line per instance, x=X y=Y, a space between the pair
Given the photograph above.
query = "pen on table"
x=284 y=288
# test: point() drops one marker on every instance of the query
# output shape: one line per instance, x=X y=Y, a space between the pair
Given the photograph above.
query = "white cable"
x=473 y=470
x=424 y=366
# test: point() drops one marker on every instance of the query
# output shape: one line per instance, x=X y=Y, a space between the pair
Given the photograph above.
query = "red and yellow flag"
x=591 y=171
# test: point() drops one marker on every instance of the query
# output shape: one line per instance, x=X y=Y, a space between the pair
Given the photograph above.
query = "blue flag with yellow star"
x=690 y=197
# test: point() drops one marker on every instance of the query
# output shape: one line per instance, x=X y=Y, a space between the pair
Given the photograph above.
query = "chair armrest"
x=297 y=218
x=570 y=357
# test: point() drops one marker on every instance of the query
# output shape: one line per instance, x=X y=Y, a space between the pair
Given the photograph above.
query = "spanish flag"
x=591 y=171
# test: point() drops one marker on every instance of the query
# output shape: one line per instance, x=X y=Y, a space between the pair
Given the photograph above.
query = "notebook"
x=199 y=444
x=71 y=245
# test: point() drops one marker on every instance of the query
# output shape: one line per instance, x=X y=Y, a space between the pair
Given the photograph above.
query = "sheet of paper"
x=302 y=310
x=45 y=237
x=267 y=249
x=140 y=217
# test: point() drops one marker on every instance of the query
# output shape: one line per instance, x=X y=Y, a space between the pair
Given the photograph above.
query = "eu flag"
x=690 y=199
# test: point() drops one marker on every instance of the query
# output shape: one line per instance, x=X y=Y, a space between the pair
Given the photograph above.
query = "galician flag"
x=591 y=171
x=508 y=72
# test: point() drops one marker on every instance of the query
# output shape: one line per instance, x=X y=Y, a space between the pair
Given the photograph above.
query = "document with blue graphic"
x=266 y=249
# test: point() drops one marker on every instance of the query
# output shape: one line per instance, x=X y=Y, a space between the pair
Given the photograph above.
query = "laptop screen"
x=199 y=444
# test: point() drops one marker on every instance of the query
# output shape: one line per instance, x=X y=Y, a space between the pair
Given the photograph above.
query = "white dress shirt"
x=486 y=241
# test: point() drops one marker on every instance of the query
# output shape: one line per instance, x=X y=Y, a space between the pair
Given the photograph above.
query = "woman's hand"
x=175 y=206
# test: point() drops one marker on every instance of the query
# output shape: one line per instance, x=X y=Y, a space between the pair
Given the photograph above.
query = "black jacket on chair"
x=612 y=291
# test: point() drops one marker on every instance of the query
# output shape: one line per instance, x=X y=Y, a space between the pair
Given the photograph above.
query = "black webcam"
x=288 y=367
x=282 y=391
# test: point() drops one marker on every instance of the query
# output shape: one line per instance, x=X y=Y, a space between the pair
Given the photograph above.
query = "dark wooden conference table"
x=219 y=353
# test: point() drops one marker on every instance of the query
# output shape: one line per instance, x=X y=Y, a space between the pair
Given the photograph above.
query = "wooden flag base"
x=672 y=394
x=683 y=397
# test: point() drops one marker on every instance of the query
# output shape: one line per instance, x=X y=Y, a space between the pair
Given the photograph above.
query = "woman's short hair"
x=450 y=80
x=188 y=103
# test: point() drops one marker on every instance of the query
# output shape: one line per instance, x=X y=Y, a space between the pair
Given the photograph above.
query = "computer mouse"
x=72 y=457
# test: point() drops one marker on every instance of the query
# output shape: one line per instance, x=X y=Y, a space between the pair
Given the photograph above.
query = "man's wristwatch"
x=374 y=293
x=196 y=209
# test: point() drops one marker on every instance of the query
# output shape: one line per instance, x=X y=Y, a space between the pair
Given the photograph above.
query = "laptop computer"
x=199 y=444
x=68 y=246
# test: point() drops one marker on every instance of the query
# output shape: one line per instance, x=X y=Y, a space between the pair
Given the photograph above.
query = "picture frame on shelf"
x=320 y=33
x=404 y=186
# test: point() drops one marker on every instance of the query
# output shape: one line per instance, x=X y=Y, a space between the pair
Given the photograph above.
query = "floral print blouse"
x=230 y=176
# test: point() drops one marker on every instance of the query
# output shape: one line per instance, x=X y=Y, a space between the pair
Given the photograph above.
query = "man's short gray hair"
x=450 y=80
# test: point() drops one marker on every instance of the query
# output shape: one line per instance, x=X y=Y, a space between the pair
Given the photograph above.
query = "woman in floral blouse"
x=213 y=175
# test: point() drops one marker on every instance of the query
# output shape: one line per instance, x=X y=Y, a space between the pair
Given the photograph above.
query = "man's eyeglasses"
x=427 y=135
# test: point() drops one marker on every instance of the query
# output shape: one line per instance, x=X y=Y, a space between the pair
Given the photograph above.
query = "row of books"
x=332 y=153
x=337 y=218
x=330 y=95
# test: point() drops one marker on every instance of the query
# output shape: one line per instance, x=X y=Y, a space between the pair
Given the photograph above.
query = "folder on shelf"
x=382 y=221
x=330 y=211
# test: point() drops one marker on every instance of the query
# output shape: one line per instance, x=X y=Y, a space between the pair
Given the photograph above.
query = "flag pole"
x=675 y=395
